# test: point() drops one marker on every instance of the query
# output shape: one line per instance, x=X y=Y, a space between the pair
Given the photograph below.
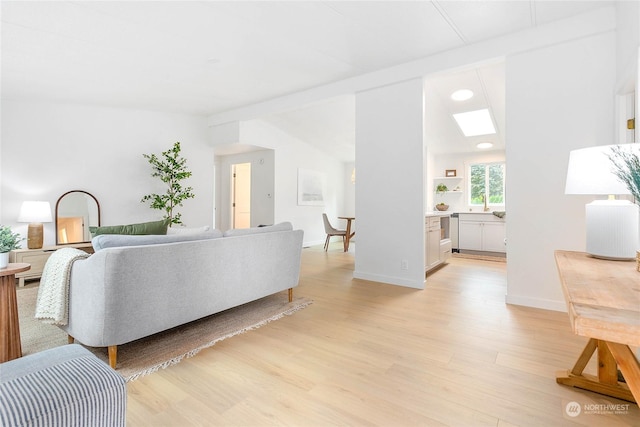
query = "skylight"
x=474 y=123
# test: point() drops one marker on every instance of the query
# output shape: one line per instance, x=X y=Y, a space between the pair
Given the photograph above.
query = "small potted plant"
x=8 y=242
x=441 y=189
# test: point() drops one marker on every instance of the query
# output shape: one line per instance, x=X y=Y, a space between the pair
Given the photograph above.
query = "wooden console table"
x=38 y=258
x=10 y=346
x=603 y=300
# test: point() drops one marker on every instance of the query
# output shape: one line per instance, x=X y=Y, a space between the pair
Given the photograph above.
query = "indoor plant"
x=627 y=168
x=171 y=169
x=441 y=189
x=8 y=242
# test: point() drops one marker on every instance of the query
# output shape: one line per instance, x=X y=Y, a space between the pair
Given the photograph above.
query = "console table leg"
x=629 y=366
x=585 y=356
x=610 y=356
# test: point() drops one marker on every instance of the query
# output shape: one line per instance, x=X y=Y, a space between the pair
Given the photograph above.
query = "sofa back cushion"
x=188 y=230
x=104 y=241
x=283 y=226
x=143 y=228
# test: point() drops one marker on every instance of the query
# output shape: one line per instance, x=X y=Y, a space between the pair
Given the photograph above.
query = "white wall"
x=292 y=154
x=349 y=190
x=49 y=149
x=627 y=42
x=558 y=98
x=390 y=178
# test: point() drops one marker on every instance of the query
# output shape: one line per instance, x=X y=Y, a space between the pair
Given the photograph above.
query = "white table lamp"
x=612 y=226
x=35 y=213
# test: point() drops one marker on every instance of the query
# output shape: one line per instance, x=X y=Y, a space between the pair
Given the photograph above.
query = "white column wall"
x=558 y=98
x=390 y=184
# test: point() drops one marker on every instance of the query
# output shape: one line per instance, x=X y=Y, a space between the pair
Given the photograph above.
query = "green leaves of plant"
x=8 y=239
x=171 y=168
x=627 y=169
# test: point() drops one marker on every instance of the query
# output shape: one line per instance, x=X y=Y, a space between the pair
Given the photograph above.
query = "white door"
x=241 y=195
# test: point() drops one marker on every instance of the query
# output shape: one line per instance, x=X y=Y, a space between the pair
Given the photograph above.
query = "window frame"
x=487 y=166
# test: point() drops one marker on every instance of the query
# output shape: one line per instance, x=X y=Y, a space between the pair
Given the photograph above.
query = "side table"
x=10 y=346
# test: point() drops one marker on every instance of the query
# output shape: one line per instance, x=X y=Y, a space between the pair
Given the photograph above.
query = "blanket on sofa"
x=52 y=305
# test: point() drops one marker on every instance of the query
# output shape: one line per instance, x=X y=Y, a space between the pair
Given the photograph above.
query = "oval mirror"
x=76 y=211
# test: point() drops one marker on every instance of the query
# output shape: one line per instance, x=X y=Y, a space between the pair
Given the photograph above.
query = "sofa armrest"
x=63 y=386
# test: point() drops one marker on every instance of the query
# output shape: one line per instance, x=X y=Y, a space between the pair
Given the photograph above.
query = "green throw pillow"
x=144 y=228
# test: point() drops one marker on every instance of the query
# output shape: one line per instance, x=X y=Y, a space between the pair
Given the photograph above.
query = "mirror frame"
x=57 y=205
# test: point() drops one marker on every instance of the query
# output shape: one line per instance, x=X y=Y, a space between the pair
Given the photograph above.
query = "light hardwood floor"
x=365 y=353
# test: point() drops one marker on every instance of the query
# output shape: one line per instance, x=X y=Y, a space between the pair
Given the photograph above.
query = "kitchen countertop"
x=486 y=216
x=437 y=213
x=476 y=213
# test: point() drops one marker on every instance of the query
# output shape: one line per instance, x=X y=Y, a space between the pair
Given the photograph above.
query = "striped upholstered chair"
x=63 y=386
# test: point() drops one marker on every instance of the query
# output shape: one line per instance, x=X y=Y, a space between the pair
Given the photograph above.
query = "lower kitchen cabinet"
x=481 y=233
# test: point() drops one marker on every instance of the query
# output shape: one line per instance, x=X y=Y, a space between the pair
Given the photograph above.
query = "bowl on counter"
x=442 y=207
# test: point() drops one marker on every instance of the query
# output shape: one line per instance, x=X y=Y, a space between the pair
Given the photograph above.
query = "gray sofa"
x=63 y=386
x=136 y=286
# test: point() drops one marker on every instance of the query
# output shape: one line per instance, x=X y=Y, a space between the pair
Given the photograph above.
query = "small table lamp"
x=612 y=226
x=35 y=213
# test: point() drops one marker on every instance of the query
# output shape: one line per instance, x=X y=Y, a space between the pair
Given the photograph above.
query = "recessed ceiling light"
x=474 y=123
x=484 y=145
x=462 y=95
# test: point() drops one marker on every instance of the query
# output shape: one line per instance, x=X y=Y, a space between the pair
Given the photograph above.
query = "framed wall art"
x=311 y=186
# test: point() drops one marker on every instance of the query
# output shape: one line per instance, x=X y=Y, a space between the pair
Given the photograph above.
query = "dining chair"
x=328 y=228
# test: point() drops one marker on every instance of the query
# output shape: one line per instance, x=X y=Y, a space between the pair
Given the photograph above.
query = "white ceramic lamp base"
x=613 y=229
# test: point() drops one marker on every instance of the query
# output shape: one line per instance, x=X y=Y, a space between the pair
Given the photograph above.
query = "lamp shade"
x=35 y=212
x=590 y=171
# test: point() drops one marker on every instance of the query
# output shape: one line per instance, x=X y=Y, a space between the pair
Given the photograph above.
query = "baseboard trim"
x=544 y=304
x=389 y=280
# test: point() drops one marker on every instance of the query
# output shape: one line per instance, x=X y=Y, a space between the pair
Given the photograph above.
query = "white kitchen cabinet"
x=445 y=250
x=437 y=241
x=470 y=235
x=493 y=237
x=481 y=232
x=433 y=242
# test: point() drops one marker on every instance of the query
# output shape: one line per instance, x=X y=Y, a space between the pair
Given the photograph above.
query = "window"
x=486 y=181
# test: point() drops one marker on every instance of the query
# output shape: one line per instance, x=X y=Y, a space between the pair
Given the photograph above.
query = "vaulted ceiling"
x=205 y=57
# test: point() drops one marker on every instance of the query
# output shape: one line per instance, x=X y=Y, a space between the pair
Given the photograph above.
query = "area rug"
x=162 y=350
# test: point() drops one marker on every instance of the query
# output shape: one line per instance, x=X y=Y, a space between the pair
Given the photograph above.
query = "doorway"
x=241 y=195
